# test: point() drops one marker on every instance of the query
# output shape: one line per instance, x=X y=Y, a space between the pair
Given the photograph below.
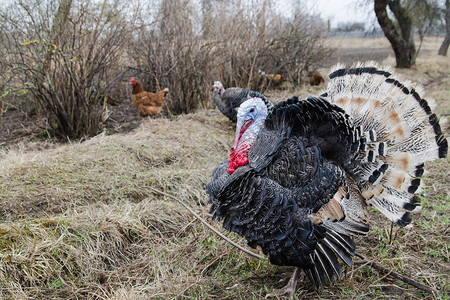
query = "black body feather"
x=314 y=166
x=288 y=178
x=228 y=100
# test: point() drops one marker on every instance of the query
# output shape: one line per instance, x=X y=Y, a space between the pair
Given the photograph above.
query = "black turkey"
x=228 y=100
x=299 y=178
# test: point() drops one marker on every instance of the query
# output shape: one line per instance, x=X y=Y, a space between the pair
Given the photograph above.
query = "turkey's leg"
x=290 y=286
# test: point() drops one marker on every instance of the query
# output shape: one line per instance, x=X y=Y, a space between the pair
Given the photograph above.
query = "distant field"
x=348 y=50
x=79 y=221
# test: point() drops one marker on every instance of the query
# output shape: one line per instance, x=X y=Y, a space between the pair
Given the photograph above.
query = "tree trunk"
x=402 y=42
x=444 y=47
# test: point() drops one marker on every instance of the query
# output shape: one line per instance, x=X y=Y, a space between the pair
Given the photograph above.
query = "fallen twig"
x=207 y=224
x=398 y=276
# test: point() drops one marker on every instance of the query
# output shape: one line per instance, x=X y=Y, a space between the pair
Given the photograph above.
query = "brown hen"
x=315 y=78
x=275 y=79
x=148 y=104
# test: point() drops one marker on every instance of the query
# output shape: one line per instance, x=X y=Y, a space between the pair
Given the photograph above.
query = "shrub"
x=68 y=55
x=174 y=56
x=187 y=52
x=63 y=53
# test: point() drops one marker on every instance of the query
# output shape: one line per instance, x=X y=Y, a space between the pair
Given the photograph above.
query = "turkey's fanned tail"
x=395 y=133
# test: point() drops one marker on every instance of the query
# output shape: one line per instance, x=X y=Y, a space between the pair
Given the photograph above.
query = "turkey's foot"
x=289 y=289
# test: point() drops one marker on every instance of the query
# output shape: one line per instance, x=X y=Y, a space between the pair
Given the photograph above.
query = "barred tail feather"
x=395 y=133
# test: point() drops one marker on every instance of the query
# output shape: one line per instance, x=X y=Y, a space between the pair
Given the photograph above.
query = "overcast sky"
x=339 y=11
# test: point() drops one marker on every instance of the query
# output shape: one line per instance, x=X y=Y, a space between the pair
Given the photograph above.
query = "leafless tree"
x=400 y=36
x=426 y=16
x=444 y=47
x=407 y=16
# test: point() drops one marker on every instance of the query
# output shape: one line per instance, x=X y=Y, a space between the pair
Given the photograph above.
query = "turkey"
x=228 y=100
x=299 y=178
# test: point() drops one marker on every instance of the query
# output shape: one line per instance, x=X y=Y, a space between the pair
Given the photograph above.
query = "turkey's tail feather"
x=324 y=257
x=395 y=133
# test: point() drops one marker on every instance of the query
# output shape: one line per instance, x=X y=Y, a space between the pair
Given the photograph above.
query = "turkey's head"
x=250 y=118
x=218 y=87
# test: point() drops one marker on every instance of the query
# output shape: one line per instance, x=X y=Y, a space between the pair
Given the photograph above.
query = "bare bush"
x=231 y=44
x=270 y=42
x=174 y=56
x=296 y=47
x=63 y=53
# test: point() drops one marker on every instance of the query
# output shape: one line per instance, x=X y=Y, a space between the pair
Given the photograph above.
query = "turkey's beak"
x=245 y=125
x=240 y=131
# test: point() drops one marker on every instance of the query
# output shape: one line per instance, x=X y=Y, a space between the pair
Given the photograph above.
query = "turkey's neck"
x=219 y=101
x=245 y=136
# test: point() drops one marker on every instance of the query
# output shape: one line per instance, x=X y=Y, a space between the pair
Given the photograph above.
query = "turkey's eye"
x=252 y=110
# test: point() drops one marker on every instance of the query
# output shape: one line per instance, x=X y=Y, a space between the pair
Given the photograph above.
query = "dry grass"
x=77 y=220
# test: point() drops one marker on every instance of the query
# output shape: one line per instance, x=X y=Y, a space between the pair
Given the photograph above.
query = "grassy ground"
x=79 y=221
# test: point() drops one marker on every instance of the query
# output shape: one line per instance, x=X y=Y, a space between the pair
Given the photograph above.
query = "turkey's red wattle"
x=238 y=158
x=238 y=153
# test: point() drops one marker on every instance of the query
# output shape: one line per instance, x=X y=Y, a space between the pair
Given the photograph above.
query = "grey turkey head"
x=250 y=118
